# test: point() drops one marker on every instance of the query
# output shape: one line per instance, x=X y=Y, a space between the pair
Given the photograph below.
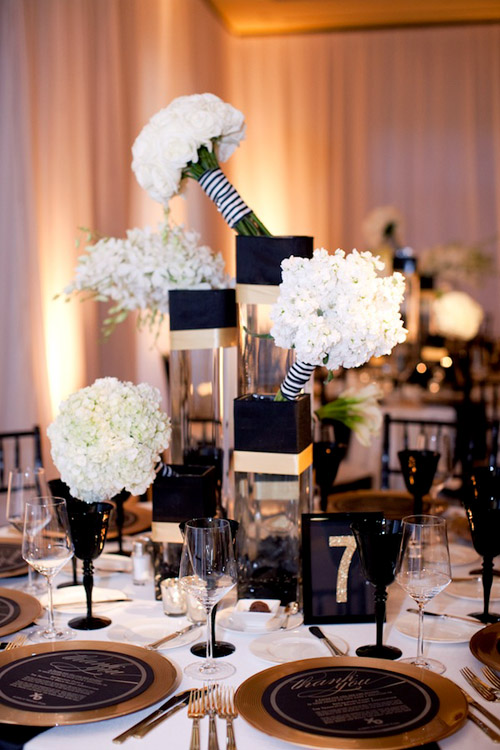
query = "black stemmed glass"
x=89 y=526
x=481 y=499
x=378 y=541
x=419 y=469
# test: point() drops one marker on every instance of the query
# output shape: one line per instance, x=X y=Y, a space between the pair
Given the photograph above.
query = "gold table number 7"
x=349 y=543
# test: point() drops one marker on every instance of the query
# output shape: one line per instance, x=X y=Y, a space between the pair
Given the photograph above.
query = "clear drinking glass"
x=47 y=546
x=24 y=485
x=423 y=570
x=207 y=572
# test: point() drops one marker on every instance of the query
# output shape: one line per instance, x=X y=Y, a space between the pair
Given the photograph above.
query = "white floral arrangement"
x=137 y=272
x=457 y=315
x=382 y=225
x=189 y=138
x=357 y=409
x=456 y=262
x=108 y=437
x=334 y=310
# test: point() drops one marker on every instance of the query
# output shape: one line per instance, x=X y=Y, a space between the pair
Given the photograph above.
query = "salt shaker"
x=141 y=563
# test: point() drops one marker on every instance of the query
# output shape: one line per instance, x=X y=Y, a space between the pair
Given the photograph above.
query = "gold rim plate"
x=485 y=644
x=22 y=569
x=29 y=606
x=166 y=678
x=451 y=716
x=137 y=519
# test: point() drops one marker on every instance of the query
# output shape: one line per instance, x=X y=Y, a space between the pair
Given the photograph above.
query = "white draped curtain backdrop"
x=337 y=124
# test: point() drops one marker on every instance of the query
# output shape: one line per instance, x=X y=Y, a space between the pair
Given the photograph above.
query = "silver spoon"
x=291 y=609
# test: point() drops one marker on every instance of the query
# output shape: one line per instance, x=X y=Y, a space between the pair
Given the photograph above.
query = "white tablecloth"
x=175 y=731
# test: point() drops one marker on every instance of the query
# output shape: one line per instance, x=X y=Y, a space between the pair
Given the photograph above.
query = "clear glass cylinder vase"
x=262 y=365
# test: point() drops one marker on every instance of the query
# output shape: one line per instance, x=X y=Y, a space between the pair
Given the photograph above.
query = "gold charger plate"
x=136 y=519
x=29 y=609
x=165 y=678
x=450 y=716
x=485 y=644
x=11 y=561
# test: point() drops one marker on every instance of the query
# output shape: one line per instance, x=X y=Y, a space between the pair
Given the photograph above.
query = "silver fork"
x=211 y=701
x=492 y=677
x=196 y=711
x=484 y=690
x=227 y=710
x=16 y=642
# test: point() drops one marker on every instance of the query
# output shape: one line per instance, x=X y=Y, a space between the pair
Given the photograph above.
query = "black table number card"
x=334 y=587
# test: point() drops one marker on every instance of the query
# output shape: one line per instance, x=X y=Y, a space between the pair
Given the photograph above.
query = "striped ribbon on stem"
x=297 y=376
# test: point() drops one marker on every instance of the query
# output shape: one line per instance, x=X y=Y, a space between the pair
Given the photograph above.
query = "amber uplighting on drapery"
x=337 y=124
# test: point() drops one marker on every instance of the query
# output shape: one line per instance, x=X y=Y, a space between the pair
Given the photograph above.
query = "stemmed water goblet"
x=418 y=468
x=423 y=570
x=207 y=572
x=378 y=541
x=23 y=486
x=481 y=498
x=47 y=547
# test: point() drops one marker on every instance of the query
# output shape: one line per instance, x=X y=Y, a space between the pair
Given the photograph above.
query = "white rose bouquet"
x=137 y=272
x=334 y=310
x=108 y=437
x=358 y=410
x=188 y=139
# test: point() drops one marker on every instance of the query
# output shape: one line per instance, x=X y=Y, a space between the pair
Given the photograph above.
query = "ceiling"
x=256 y=17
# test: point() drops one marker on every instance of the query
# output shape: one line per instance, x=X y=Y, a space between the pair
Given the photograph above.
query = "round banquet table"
x=175 y=732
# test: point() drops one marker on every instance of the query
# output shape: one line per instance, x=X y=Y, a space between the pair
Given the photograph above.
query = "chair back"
x=19 y=449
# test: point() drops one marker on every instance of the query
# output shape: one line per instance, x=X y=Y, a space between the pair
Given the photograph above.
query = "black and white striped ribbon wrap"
x=228 y=201
x=297 y=376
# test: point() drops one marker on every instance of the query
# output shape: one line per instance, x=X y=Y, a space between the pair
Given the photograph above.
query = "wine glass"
x=418 y=468
x=378 y=541
x=23 y=486
x=47 y=546
x=481 y=498
x=423 y=570
x=207 y=571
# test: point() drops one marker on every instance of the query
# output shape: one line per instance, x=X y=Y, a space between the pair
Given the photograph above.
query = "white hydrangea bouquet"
x=188 y=139
x=357 y=409
x=383 y=225
x=335 y=311
x=137 y=272
x=457 y=315
x=109 y=437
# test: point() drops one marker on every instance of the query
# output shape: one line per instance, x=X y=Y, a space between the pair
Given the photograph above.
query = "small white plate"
x=293 y=645
x=463 y=554
x=225 y=620
x=472 y=589
x=145 y=630
x=73 y=599
x=438 y=629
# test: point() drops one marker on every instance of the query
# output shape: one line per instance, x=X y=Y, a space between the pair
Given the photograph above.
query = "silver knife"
x=63 y=605
x=179 y=698
x=449 y=617
x=491 y=717
x=143 y=731
x=319 y=634
x=171 y=636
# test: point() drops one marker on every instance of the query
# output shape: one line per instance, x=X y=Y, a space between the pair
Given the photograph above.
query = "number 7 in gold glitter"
x=349 y=543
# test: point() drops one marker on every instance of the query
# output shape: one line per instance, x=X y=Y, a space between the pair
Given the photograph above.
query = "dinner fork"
x=227 y=710
x=210 y=703
x=16 y=642
x=484 y=690
x=492 y=677
x=196 y=711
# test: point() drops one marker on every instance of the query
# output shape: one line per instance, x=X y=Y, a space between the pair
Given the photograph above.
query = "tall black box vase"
x=202 y=379
x=262 y=365
x=273 y=487
x=187 y=492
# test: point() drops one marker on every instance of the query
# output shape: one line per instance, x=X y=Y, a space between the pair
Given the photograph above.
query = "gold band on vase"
x=273 y=463
x=256 y=294
x=203 y=338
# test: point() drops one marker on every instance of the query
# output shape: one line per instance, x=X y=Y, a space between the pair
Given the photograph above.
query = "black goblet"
x=119 y=501
x=327 y=456
x=89 y=526
x=481 y=499
x=419 y=469
x=378 y=541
